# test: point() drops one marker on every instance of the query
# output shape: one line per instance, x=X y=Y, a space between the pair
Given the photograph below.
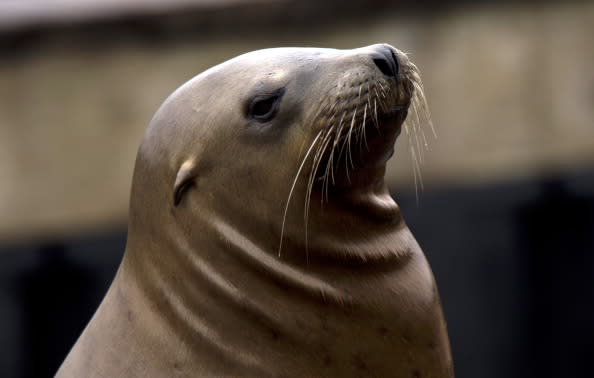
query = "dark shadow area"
x=55 y=282
x=53 y=290
x=555 y=231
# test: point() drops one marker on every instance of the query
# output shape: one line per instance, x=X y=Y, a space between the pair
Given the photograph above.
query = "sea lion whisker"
x=415 y=178
x=308 y=191
x=377 y=95
x=330 y=164
x=346 y=163
x=315 y=164
x=425 y=143
x=293 y=188
x=422 y=133
x=420 y=99
x=339 y=130
x=364 y=127
x=375 y=116
x=332 y=108
x=337 y=138
x=415 y=133
x=340 y=138
x=324 y=175
x=350 y=132
x=370 y=98
x=329 y=171
x=343 y=140
x=320 y=151
x=313 y=172
x=417 y=160
x=359 y=129
x=322 y=110
x=317 y=160
x=382 y=92
x=330 y=178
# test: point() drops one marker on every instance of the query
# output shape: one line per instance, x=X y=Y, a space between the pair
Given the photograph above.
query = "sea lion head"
x=288 y=145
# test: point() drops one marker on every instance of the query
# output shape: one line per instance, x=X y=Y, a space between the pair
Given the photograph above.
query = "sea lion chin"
x=262 y=238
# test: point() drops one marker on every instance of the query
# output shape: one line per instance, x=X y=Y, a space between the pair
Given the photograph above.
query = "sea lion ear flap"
x=183 y=181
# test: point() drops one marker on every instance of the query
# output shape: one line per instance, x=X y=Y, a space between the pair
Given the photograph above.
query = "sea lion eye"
x=264 y=107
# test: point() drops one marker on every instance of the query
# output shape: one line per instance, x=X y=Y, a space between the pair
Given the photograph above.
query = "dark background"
x=513 y=256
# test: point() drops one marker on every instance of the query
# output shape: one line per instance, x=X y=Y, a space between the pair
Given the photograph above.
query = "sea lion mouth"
x=394 y=111
x=359 y=180
x=365 y=148
x=350 y=163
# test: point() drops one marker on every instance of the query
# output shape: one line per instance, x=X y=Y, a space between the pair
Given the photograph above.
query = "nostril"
x=384 y=66
x=386 y=61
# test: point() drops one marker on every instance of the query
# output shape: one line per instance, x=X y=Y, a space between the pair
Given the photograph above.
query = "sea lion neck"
x=225 y=300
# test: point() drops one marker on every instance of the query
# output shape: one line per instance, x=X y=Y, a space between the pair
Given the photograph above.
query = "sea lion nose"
x=386 y=61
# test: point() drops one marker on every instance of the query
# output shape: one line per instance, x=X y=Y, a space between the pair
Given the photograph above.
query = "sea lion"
x=262 y=238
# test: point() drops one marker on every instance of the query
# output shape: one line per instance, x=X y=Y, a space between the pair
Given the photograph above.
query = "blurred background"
x=506 y=216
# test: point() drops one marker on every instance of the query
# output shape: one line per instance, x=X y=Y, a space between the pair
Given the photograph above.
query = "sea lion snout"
x=364 y=111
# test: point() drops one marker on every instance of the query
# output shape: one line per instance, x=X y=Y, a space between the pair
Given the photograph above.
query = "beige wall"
x=511 y=92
